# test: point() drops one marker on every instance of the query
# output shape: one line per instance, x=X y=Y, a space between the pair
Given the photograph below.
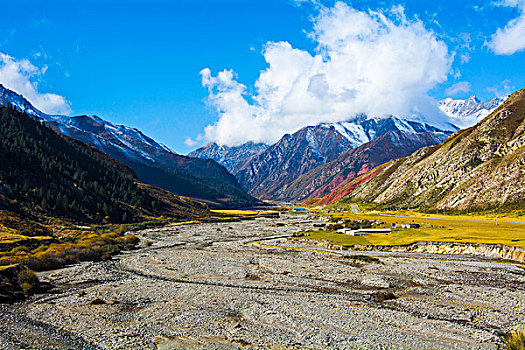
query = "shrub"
x=20 y=249
x=8 y=260
x=131 y=239
x=333 y=227
x=27 y=279
x=26 y=287
x=72 y=249
x=515 y=341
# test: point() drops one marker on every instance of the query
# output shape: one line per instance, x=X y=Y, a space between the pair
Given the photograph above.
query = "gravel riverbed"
x=206 y=286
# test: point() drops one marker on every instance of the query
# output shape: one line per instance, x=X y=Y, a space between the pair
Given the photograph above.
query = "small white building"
x=344 y=231
x=363 y=231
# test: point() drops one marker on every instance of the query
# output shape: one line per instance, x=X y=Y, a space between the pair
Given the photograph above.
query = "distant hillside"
x=480 y=167
x=153 y=162
x=330 y=176
x=44 y=173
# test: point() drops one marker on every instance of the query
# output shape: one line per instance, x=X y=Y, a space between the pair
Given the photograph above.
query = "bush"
x=333 y=227
x=131 y=239
x=86 y=246
x=20 y=249
x=27 y=279
x=515 y=341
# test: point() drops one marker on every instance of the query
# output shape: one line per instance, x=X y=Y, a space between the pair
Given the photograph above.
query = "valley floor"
x=207 y=286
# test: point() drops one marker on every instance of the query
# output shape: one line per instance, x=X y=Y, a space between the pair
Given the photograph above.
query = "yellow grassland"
x=235 y=212
x=434 y=228
x=245 y=213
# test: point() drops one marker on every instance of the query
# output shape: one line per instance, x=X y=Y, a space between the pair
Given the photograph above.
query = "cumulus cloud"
x=22 y=77
x=379 y=63
x=510 y=39
x=462 y=86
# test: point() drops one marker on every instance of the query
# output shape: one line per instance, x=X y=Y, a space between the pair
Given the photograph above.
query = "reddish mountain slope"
x=329 y=177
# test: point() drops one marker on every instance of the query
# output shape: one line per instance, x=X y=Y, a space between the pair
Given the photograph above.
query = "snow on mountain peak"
x=465 y=113
x=91 y=129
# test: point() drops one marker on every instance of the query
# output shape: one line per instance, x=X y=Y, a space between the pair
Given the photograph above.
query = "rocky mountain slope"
x=153 y=162
x=477 y=168
x=293 y=155
x=232 y=158
x=328 y=177
x=266 y=174
x=465 y=113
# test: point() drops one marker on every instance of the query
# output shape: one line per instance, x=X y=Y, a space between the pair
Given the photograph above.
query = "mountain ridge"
x=325 y=178
x=466 y=113
x=203 y=180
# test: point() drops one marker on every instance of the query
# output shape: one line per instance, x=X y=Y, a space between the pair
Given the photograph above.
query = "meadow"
x=433 y=228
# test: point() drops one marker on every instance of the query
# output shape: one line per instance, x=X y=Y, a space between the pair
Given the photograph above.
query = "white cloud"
x=510 y=39
x=462 y=86
x=22 y=77
x=378 y=63
x=190 y=142
x=502 y=89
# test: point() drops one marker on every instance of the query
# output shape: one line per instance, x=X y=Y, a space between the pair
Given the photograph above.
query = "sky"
x=190 y=72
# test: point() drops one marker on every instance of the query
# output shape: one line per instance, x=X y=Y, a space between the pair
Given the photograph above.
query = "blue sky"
x=138 y=62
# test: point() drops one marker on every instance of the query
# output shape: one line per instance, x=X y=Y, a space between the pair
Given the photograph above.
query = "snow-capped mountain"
x=267 y=173
x=466 y=113
x=11 y=98
x=230 y=157
x=363 y=129
x=479 y=168
x=92 y=130
x=153 y=162
x=108 y=137
x=349 y=135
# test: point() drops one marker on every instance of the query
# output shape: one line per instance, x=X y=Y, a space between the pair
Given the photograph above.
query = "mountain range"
x=480 y=167
x=232 y=158
x=154 y=163
x=320 y=158
x=314 y=162
x=328 y=177
x=465 y=113
x=272 y=172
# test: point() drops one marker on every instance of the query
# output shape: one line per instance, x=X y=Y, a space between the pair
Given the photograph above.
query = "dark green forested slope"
x=46 y=173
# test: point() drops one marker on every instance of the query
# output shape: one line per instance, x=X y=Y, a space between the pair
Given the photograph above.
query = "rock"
x=97 y=301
